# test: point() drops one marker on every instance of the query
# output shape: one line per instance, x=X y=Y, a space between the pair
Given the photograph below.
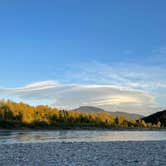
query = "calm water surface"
x=9 y=137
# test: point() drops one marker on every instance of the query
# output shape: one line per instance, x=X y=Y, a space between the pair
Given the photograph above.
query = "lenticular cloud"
x=113 y=98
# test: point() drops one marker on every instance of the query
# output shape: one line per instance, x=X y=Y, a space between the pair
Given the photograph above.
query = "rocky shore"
x=130 y=153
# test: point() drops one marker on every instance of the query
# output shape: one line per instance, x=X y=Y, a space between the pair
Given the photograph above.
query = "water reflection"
x=28 y=137
x=79 y=136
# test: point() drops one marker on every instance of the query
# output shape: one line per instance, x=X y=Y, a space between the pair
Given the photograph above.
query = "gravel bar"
x=130 y=153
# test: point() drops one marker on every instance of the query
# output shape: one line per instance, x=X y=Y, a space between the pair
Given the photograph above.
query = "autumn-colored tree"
x=14 y=114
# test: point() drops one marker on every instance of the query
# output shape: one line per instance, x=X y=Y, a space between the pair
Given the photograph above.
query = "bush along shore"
x=20 y=115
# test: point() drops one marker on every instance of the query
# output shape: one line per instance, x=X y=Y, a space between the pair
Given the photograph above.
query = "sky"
x=110 y=54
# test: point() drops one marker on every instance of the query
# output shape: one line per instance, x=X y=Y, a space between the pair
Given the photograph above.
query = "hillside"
x=21 y=115
x=156 y=117
x=91 y=109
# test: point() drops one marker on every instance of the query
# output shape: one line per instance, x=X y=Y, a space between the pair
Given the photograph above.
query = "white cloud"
x=112 y=98
x=115 y=87
x=40 y=85
x=150 y=78
x=129 y=75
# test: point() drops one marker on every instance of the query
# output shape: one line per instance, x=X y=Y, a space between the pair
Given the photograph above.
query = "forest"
x=21 y=115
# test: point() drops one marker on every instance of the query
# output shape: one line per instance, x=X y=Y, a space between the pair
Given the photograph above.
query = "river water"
x=8 y=137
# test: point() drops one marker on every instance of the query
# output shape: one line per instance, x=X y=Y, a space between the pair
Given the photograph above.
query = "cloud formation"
x=150 y=78
x=129 y=75
x=109 y=97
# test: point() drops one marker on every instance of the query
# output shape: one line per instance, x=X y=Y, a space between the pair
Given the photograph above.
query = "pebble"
x=129 y=153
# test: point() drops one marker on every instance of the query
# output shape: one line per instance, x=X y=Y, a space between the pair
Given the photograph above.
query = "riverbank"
x=86 y=129
x=130 y=153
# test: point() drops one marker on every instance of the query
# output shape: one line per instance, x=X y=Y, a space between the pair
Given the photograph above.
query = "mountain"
x=156 y=117
x=129 y=115
x=91 y=109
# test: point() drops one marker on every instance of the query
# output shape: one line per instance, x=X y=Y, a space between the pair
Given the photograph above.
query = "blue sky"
x=116 y=43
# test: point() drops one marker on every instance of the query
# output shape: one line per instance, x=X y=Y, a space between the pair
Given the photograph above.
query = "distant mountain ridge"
x=92 y=109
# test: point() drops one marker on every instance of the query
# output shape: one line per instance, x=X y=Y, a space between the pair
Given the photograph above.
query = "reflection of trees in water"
x=62 y=134
x=29 y=136
x=6 y=133
x=73 y=135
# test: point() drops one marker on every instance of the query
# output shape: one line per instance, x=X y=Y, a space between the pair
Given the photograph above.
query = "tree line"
x=20 y=115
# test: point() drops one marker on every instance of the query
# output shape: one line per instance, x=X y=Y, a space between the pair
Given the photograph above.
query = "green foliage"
x=16 y=115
